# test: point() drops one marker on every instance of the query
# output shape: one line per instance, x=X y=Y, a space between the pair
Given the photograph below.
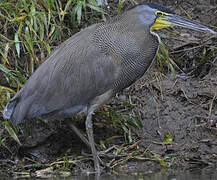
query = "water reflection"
x=196 y=174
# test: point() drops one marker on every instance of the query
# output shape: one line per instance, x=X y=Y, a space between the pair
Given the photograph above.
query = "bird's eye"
x=159 y=14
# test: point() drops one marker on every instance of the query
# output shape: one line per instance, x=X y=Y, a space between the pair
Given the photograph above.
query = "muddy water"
x=196 y=174
x=199 y=174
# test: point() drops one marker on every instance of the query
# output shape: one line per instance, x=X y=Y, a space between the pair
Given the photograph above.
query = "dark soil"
x=182 y=106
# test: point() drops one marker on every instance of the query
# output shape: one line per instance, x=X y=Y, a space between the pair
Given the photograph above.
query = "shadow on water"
x=196 y=174
x=199 y=174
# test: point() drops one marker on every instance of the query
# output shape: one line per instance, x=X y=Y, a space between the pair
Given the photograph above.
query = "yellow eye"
x=159 y=13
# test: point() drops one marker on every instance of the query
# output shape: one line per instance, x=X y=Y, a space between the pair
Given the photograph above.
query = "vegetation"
x=29 y=30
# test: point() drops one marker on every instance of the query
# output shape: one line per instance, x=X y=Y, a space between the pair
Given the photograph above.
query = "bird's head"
x=159 y=17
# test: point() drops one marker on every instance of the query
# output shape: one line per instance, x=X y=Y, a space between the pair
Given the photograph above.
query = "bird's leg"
x=89 y=129
x=84 y=139
x=79 y=134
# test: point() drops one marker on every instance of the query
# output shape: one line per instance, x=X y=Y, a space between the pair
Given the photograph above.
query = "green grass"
x=29 y=31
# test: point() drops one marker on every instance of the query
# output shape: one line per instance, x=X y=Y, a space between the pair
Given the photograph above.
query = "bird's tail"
x=9 y=109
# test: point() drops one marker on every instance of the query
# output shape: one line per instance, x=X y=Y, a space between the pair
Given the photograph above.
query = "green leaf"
x=17 y=44
x=120 y=5
x=48 y=48
x=163 y=163
x=25 y=5
x=79 y=12
x=4 y=58
x=66 y=8
x=12 y=132
x=4 y=69
x=136 y=121
x=98 y=9
x=168 y=138
x=125 y=129
x=20 y=77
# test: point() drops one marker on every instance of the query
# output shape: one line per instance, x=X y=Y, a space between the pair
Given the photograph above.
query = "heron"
x=88 y=69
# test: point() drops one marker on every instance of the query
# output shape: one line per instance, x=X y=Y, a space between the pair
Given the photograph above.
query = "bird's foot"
x=103 y=153
x=99 y=167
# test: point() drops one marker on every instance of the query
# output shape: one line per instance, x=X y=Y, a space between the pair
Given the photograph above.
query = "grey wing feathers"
x=73 y=74
x=9 y=109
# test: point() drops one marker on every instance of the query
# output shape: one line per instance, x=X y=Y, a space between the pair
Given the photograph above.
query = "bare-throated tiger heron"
x=89 y=68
